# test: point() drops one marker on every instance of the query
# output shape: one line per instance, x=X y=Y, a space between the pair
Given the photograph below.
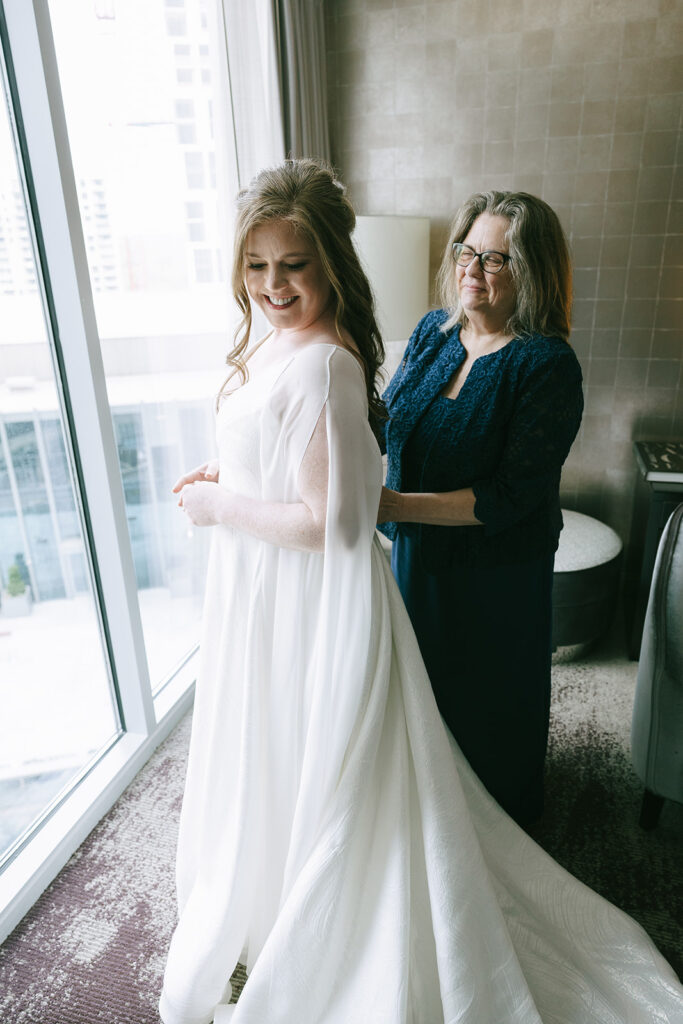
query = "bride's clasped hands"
x=199 y=494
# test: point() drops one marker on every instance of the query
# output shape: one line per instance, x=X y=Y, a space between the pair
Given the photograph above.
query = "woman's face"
x=491 y=296
x=284 y=276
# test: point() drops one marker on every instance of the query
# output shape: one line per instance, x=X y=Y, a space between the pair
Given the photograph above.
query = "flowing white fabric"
x=250 y=38
x=332 y=834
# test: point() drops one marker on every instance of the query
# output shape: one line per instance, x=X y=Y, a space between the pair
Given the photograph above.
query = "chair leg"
x=650 y=810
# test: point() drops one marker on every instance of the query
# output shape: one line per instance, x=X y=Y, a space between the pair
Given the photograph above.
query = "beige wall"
x=575 y=101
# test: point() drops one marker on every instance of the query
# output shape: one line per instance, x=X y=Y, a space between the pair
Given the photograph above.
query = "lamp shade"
x=394 y=252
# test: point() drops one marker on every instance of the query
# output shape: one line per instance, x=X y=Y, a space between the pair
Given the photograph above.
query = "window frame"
x=51 y=196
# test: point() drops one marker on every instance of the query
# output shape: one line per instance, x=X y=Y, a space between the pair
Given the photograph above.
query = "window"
x=196 y=231
x=194 y=171
x=111 y=350
x=137 y=179
x=203 y=263
x=176 y=24
x=187 y=134
x=58 y=707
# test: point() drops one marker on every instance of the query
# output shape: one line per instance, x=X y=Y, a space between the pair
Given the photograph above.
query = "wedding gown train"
x=333 y=836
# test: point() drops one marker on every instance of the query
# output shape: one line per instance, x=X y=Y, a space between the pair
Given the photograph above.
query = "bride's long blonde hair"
x=307 y=194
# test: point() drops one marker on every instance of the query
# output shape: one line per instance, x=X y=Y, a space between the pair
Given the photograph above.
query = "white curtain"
x=251 y=38
x=271 y=93
x=276 y=85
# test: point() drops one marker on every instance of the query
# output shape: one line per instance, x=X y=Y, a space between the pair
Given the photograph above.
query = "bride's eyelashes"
x=287 y=266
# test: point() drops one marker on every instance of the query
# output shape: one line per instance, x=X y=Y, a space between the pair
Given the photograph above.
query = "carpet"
x=93 y=948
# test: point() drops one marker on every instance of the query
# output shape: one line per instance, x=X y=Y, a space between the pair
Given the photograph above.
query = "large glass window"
x=117 y=172
x=56 y=702
x=146 y=148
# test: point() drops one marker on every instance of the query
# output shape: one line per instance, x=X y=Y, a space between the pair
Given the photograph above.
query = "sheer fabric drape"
x=277 y=81
x=251 y=37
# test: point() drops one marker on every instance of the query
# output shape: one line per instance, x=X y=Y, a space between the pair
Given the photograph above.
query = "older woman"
x=482 y=414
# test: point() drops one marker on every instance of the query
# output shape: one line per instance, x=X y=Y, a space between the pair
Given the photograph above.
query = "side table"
x=585 y=580
x=661 y=467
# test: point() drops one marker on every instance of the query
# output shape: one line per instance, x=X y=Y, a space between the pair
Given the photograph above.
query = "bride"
x=333 y=838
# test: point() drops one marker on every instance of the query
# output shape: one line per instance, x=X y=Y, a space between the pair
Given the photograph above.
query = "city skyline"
x=144 y=154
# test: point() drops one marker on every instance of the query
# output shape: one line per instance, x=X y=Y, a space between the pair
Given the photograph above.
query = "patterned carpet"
x=93 y=948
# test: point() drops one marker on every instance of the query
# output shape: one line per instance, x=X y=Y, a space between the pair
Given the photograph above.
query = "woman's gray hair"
x=540 y=263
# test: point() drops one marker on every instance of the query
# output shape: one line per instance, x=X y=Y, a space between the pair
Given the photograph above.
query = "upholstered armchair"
x=657 y=726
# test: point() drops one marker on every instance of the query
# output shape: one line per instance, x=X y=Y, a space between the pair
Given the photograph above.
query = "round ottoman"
x=585 y=580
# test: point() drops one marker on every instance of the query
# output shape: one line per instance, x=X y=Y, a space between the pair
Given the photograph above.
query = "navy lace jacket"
x=506 y=435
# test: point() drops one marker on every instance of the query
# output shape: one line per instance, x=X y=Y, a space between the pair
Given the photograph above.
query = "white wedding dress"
x=333 y=837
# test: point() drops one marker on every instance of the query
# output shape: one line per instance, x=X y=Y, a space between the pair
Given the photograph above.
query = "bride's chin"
x=273 y=317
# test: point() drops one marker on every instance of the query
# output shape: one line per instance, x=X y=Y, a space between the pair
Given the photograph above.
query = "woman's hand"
x=389 y=506
x=204 y=503
x=207 y=471
x=447 y=508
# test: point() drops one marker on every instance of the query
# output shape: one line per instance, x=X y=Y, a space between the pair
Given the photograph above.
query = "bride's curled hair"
x=308 y=195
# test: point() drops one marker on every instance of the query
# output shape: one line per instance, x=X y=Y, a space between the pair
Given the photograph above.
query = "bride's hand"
x=203 y=503
x=207 y=471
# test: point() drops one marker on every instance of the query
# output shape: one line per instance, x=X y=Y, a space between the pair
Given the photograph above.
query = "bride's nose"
x=275 y=278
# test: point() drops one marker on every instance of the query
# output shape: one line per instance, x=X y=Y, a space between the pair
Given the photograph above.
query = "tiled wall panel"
x=577 y=101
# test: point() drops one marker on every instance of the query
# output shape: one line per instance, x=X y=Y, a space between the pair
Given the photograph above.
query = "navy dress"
x=479 y=597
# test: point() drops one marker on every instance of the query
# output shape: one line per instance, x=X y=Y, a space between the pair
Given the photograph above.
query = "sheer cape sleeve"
x=327 y=381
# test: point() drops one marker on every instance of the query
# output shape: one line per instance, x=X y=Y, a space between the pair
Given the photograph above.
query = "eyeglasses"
x=491 y=262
